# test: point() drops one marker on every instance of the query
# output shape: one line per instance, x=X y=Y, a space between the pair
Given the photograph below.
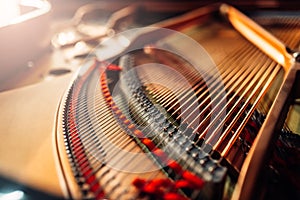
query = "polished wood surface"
x=27 y=151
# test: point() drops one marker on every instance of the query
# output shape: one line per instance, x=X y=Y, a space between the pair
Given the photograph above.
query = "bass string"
x=138 y=162
x=256 y=81
x=227 y=80
x=290 y=24
x=81 y=106
x=290 y=28
x=289 y=33
x=263 y=91
x=243 y=123
x=242 y=85
x=198 y=99
x=266 y=86
x=201 y=83
x=253 y=107
x=165 y=59
x=161 y=94
x=295 y=43
x=162 y=104
x=270 y=78
x=212 y=82
x=154 y=175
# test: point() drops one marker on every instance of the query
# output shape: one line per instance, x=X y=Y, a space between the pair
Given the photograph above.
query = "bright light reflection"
x=15 y=195
x=66 y=37
x=9 y=10
x=123 y=41
x=32 y=3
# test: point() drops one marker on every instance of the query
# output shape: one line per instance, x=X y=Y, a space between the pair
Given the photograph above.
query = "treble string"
x=290 y=40
x=111 y=131
x=106 y=171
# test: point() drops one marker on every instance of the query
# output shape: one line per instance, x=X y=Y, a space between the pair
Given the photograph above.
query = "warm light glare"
x=9 y=10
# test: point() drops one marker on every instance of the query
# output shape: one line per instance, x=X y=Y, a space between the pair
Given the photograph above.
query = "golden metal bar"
x=257 y=35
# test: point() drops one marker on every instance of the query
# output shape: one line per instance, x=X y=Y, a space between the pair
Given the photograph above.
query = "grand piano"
x=151 y=100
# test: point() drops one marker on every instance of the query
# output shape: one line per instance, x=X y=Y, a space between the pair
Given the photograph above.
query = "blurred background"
x=33 y=32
